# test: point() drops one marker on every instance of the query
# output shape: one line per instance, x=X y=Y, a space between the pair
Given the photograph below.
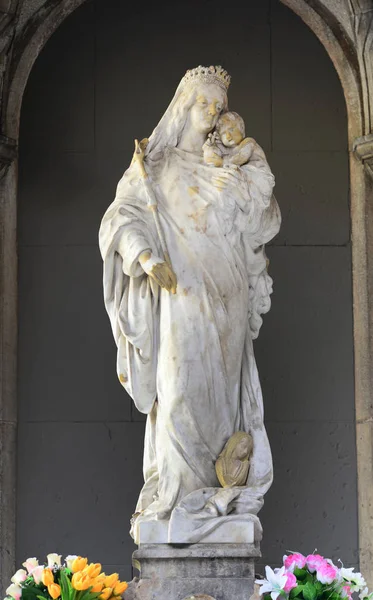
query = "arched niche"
x=347 y=36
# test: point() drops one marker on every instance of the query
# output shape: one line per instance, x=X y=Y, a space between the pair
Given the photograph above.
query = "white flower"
x=69 y=560
x=37 y=573
x=20 y=576
x=30 y=564
x=15 y=591
x=365 y=595
x=54 y=559
x=274 y=584
x=356 y=580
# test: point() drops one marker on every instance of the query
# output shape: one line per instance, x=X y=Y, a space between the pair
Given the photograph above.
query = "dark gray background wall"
x=106 y=77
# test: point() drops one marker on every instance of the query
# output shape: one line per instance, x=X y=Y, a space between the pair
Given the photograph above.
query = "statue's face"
x=230 y=132
x=243 y=448
x=207 y=107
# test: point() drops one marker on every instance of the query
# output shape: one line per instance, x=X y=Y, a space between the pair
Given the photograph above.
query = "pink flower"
x=14 y=591
x=37 y=573
x=295 y=560
x=314 y=561
x=326 y=572
x=291 y=582
x=19 y=577
x=346 y=592
x=30 y=564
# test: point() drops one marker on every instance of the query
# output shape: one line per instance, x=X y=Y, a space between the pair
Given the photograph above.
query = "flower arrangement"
x=312 y=577
x=74 y=579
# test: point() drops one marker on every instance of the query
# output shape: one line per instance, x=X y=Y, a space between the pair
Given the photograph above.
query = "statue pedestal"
x=175 y=572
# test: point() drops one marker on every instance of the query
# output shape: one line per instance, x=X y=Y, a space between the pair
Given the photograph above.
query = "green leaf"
x=309 y=591
x=300 y=573
x=332 y=595
x=31 y=592
x=319 y=587
x=66 y=587
x=296 y=591
x=88 y=595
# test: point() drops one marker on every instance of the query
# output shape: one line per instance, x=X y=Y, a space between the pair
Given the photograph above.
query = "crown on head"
x=211 y=74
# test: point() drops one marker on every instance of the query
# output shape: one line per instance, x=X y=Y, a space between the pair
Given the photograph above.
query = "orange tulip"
x=54 y=590
x=120 y=588
x=79 y=564
x=111 y=580
x=93 y=570
x=98 y=583
x=81 y=581
x=106 y=593
x=47 y=577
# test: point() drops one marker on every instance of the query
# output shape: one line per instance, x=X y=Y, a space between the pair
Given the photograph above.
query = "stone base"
x=175 y=572
x=158 y=532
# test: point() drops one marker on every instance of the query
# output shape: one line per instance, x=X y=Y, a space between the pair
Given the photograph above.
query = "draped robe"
x=187 y=359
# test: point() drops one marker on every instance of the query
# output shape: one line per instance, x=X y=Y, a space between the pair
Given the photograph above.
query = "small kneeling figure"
x=232 y=466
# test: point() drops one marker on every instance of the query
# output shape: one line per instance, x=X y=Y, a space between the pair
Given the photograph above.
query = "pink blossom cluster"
x=325 y=571
x=343 y=581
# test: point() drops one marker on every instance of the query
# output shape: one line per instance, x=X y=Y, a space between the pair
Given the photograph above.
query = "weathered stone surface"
x=224 y=571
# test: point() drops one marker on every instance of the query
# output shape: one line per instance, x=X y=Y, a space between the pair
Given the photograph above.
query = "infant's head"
x=231 y=129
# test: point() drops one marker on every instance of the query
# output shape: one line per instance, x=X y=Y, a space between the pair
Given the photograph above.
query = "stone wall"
x=104 y=78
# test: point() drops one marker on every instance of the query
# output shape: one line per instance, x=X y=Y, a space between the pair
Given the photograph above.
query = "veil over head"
x=233 y=442
x=170 y=128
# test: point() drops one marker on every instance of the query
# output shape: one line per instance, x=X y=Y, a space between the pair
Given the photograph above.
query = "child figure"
x=228 y=145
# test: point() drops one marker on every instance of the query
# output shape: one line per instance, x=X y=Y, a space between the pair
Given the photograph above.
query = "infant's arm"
x=243 y=153
x=212 y=154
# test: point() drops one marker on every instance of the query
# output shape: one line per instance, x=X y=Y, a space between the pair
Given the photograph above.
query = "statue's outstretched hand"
x=159 y=271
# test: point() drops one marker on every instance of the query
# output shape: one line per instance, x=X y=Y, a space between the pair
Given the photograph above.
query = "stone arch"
x=345 y=30
x=333 y=33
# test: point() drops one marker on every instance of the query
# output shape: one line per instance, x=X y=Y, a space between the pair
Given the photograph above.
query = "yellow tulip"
x=47 y=577
x=93 y=570
x=111 y=580
x=106 y=593
x=120 y=588
x=98 y=583
x=79 y=564
x=81 y=581
x=54 y=590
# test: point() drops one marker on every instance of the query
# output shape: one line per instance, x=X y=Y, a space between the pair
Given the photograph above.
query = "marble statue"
x=185 y=287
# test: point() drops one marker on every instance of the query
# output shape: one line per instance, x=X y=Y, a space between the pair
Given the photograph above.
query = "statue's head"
x=231 y=129
x=239 y=446
x=199 y=99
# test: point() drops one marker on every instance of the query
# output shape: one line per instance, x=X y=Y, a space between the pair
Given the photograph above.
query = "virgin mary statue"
x=185 y=332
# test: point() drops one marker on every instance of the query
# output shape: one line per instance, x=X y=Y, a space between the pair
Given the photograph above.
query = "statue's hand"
x=139 y=155
x=214 y=159
x=226 y=177
x=159 y=271
x=164 y=276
